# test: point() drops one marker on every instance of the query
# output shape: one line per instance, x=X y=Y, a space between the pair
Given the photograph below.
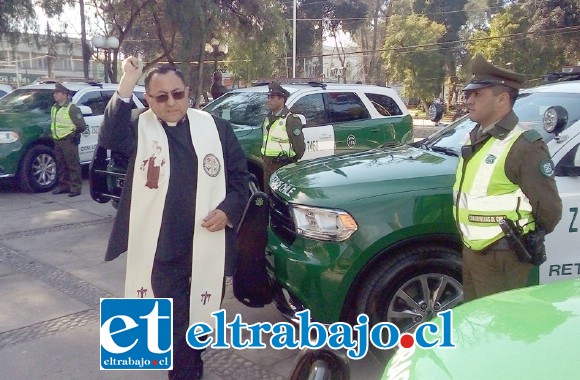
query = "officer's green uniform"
x=507 y=174
x=282 y=137
x=67 y=123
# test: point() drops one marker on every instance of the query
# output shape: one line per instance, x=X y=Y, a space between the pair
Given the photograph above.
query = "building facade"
x=30 y=60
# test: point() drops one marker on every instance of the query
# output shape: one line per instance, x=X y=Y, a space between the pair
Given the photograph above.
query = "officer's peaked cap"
x=59 y=87
x=486 y=74
x=274 y=88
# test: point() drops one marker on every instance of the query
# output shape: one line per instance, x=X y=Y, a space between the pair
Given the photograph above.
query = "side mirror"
x=86 y=110
x=570 y=164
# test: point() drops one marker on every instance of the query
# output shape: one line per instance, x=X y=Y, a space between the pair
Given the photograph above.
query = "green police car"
x=26 y=148
x=373 y=232
x=529 y=333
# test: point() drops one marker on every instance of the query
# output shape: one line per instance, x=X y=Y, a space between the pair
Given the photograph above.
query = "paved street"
x=52 y=275
x=424 y=128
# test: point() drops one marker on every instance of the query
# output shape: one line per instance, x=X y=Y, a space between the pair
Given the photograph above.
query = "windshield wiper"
x=445 y=150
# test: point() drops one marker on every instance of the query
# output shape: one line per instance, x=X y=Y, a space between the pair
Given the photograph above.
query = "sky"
x=71 y=16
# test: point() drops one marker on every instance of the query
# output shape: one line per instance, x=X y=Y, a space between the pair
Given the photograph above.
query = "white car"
x=563 y=261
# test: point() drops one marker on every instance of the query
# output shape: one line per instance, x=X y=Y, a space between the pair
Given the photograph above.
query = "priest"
x=179 y=235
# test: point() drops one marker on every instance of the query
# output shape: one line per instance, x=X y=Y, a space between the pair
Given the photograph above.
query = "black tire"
x=98 y=181
x=37 y=172
x=435 y=112
x=435 y=268
x=322 y=363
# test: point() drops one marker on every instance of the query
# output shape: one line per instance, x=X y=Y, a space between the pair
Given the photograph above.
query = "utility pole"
x=294 y=40
x=84 y=46
x=50 y=57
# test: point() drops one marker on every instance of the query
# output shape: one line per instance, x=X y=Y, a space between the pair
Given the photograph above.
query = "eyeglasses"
x=175 y=94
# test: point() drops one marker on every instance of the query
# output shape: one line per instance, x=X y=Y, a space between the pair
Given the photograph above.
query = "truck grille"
x=281 y=220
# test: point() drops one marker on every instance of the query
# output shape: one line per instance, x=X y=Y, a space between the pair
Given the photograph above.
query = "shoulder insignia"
x=297 y=131
x=547 y=168
x=532 y=135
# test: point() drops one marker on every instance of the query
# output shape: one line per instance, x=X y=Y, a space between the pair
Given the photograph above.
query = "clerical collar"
x=173 y=123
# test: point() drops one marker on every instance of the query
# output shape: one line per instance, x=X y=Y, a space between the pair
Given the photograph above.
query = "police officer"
x=505 y=172
x=67 y=123
x=282 y=138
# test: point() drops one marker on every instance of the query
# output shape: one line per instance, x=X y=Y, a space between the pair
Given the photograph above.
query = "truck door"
x=562 y=245
x=354 y=128
x=318 y=132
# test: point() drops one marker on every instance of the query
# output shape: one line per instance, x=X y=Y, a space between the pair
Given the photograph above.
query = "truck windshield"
x=28 y=100
x=241 y=108
x=529 y=108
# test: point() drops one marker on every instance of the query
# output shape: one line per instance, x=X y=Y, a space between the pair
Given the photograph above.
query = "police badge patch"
x=211 y=165
x=297 y=131
x=490 y=159
x=547 y=168
x=351 y=141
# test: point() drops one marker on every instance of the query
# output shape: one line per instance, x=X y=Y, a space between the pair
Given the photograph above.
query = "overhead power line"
x=429 y=13
x=438 y=45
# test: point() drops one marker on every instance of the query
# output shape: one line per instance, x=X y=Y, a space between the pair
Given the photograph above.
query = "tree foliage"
x=452 y=15
x=532 y=36
x=412 y=57
x=19 y=16
x=528 y=38
x=259 y=51
x=371 y=36
x=556 y=24
x=315 y=16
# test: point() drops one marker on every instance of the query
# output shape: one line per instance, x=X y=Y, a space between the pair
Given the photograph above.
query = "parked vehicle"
x=529 y=333
x=5 y=89
x=373 y=232
x=339 y=119
x=26 y=148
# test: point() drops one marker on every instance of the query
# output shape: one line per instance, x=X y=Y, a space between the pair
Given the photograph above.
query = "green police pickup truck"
x=373 y=232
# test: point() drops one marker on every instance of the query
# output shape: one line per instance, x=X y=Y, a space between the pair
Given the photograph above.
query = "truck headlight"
x=7 y=137
x=323 y=224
